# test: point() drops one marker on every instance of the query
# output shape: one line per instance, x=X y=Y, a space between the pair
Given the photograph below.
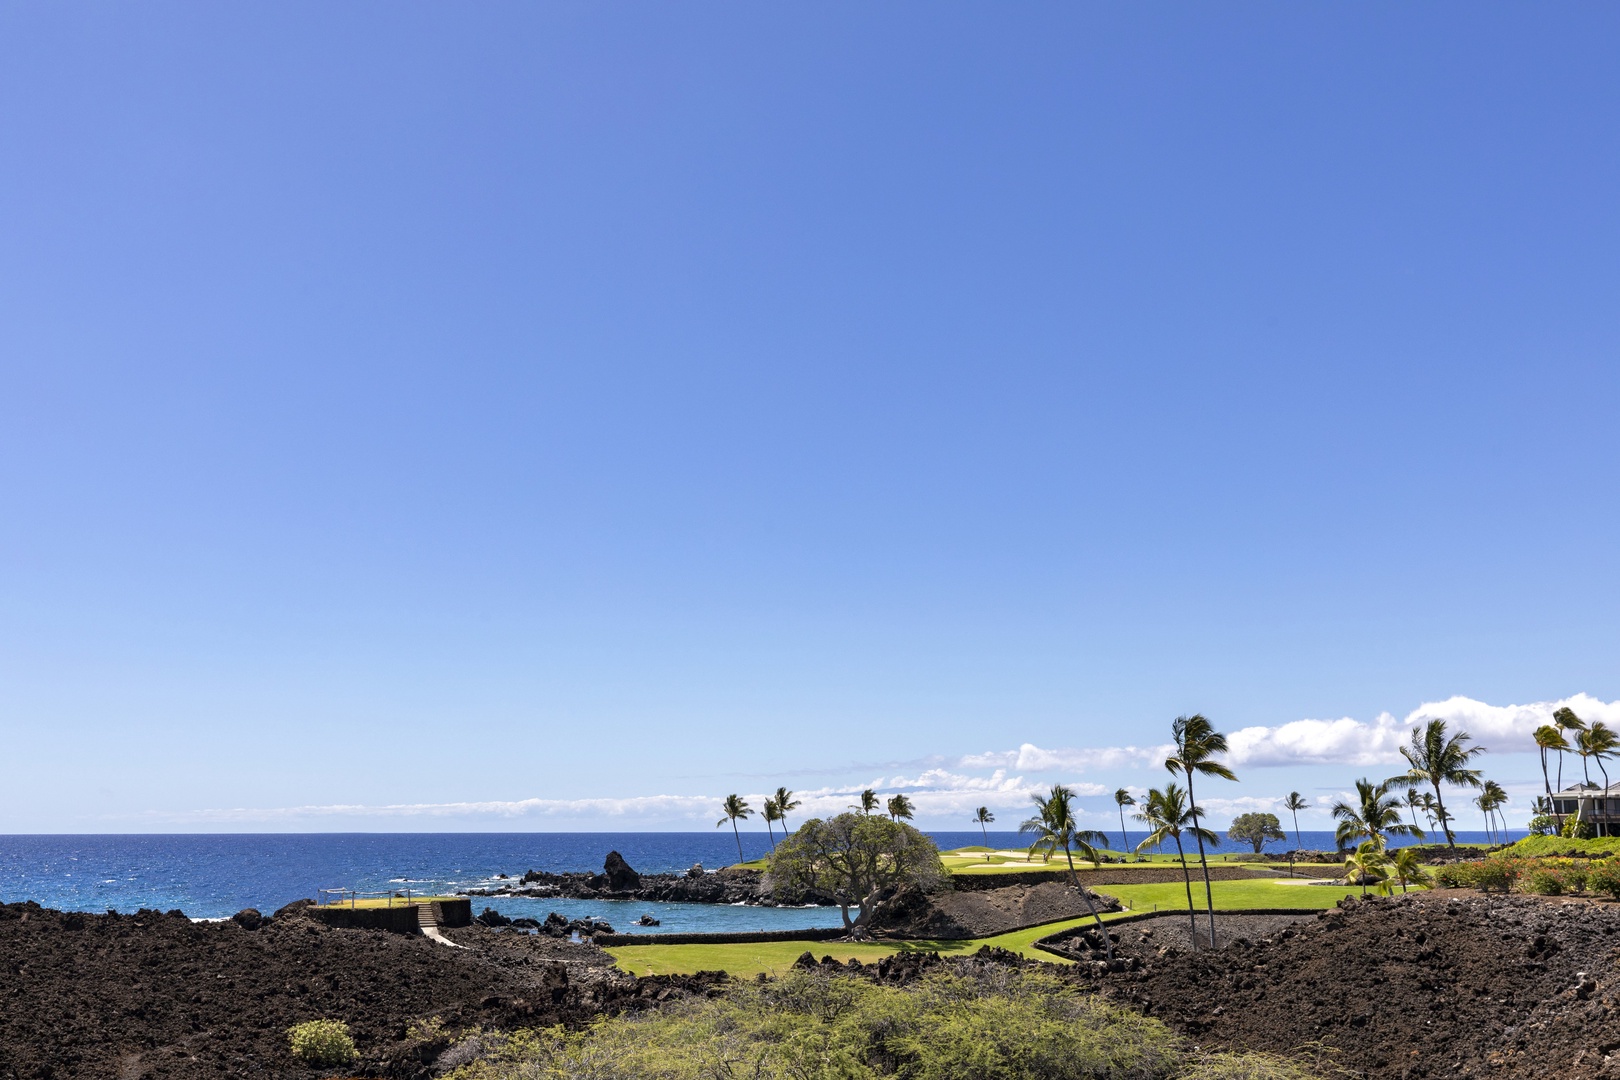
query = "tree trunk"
x=1547 y=783
x=1192 y=912
x=1123 y=835
x=1203 y=863
x=1101 y=929
x=738 y=835
x=843 y=909
x=1440 y=814
x=984 y=833
x=772 y=833
x=1299 y=845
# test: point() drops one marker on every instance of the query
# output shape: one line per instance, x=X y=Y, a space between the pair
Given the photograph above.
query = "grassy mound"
x=1539 y=846
x=997 y=1024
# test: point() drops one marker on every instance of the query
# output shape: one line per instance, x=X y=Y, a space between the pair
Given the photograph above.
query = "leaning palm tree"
x=1406 y=865
x=1548 y=737
x=1122 y=799
x=1601 y=743
x=900 y=808
x=868 y=803
x=773 y=812
x=1435 y=758
x=1294 y=804
x=1414 y=803
x=1368 y=861
x=1169 y=814
x=785 y=802
x=1374 y=815
x=984 y=817
x=735 y=807
x=1197 y=742
x=1054 y=826
x=1568 y=724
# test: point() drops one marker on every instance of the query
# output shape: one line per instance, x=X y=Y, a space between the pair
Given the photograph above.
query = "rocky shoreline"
x=619 y=881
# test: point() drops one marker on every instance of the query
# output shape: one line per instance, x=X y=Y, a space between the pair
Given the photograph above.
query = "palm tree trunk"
x=1299 y=845
x=771 y=832
x=1451 y=840
x=738 y=835
x=1101 y=929
x=1186 y=876
x=1123 y=835
x=1547 y=783
x=984 y=833
x=1203 y=863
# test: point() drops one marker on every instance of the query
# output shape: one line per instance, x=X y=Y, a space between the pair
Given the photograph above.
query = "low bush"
x=997 y=1024
x=322 y=1042
x=1604 y=877
x=1496 y=875
x=1545 y=881
x=1455 y=875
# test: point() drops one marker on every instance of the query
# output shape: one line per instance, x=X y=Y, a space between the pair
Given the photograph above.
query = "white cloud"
x=1032 y=758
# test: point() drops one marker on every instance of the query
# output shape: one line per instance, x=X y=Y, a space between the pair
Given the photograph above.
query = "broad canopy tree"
x=1256 y=829
x=852 y=859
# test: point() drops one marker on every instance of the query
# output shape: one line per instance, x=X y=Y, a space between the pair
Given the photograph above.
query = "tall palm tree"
x=1435 y=758
x=785 y=802
x=1566 y=722
x=1168 y=815
x=1414 y=803
x=1482 y=803
x=1054 y=826
x=1294 y=804
x=1426 y=804
x=1197 y=742
x=1491 y=800
x=735 y=807
x=772 y=812
x=1601 y=743
x=900 y=808
x=1548 y=737
x=984 y=817
x=1122 y=799
x=1375 y=815
x=868 y=803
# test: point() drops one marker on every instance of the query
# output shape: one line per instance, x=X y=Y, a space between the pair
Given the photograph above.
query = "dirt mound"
x=152 y=995
x=1429 y=984
x=948 y=915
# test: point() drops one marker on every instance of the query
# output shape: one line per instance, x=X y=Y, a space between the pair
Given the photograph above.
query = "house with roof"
x=1590 y=803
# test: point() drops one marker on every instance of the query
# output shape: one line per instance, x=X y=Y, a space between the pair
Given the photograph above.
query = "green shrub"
x=1455 y=875
x=1545 y=881
x=998 y=1024
x=1495 y=875
x=1575 y=872
x=1543 y=825
x=1577 y=829
x=322 y=1042
x=1604 y=877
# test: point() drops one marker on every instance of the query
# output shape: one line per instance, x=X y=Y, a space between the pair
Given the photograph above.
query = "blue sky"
x=557 y=416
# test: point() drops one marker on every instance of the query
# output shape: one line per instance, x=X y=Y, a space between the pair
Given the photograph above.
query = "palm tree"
x=735 y=807
x=1482 y=803
x=1197 y=742
x=1294 y=804
x=1168 y=814
x=1122 y=799
x=1548 y=738
x=1414 y=803
x=900 y=807
x=1601 y=743
x=1054 y=825
x=869 y=802
x=1407 y=866
x=1427 y=805
x=785 y=802
x=1491 y=800
x=1566 y=721
x=1367 y=861
x=1375 y=816
x=772 y=812
x=984 y=817
x=1436 y=758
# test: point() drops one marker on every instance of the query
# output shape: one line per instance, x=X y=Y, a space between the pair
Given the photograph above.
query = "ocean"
x=212 y=876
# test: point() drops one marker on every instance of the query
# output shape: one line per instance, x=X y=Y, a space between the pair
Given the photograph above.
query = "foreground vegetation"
x=999 y=1024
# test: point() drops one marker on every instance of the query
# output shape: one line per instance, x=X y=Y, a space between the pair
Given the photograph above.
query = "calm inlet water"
x=213 y=876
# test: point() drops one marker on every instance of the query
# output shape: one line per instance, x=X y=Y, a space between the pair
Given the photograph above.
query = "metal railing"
x=352 y=897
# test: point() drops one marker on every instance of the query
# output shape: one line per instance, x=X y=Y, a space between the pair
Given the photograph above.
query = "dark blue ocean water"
x=214 y=875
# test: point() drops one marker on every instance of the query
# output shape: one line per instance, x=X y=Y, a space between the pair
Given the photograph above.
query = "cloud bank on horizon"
x=954 y=790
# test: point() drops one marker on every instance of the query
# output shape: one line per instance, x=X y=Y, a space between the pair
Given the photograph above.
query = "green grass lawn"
x=397 y=901
x=749 y=960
